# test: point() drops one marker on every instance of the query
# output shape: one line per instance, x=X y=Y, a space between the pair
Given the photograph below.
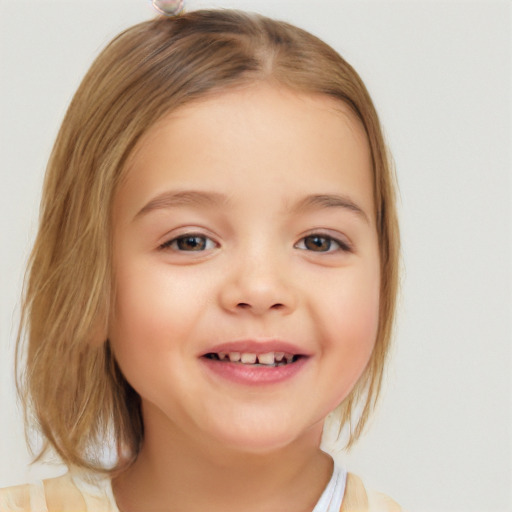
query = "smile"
x=269 y=359
x=255 y=363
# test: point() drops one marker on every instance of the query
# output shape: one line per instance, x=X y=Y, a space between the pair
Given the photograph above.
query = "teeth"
x=266 y=358
x=234 y=357
x=248 y=358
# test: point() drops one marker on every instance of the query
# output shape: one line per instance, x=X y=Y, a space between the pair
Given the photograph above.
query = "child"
x=215 y=272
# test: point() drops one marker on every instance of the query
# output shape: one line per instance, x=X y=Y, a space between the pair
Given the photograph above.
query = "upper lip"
x=257 y=347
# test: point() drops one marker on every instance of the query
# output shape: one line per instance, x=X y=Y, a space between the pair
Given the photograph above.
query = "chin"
x=272 y=438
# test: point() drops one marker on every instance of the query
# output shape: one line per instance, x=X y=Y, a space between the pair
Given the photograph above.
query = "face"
x=247 y=267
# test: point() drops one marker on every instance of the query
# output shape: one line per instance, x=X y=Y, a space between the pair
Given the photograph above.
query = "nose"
x=257 y=286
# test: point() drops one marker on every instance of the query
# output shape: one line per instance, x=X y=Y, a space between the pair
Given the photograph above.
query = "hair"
x=71 y=386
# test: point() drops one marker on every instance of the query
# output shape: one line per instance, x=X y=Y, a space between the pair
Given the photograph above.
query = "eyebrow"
x=172 y=199
x=319 y=201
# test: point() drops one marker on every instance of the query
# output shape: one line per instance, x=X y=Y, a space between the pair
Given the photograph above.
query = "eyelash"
x=207 y=243
x=174 y=242
x=340 y=245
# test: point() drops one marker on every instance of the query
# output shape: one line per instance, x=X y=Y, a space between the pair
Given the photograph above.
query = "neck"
x=175 y=472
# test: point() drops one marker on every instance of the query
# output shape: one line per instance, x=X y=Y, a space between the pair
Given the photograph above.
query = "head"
x=72 y=382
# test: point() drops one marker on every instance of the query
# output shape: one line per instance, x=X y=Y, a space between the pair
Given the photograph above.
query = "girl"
x=215 y=272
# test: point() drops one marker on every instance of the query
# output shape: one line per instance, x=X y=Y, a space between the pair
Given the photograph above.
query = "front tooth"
x=266 y=358
x=248 y=358
x=234 y=357
x=279 y=356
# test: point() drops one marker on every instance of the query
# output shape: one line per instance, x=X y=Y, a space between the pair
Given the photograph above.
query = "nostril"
x=245 y=305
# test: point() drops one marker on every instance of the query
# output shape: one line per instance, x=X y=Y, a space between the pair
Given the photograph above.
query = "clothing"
x=87 y=492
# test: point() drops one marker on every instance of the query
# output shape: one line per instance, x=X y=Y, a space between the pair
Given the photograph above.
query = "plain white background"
x=440 y=75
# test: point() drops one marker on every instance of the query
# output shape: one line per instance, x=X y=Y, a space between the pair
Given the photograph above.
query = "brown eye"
x=318 y=243
x=322 y=243
x=189 y=243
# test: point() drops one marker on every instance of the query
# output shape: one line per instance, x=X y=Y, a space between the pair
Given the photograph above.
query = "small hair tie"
x=168 y=7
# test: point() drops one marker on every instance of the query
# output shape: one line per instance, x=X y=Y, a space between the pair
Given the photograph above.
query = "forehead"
x=232 y=141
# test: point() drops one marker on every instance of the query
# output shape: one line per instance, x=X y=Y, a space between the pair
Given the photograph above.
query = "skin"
x=212 y=444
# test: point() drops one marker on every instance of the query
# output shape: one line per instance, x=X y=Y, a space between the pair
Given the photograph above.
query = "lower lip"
x=254 y=375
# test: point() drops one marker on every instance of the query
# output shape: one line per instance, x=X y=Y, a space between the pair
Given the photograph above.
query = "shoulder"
x=358 y=498
x=23 y=498
x=67 y=493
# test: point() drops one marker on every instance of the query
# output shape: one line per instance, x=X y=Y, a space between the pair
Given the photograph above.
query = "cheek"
x=363 y=308
x=350 y=326
x=353 y=303
x=153 y=309
x=156 y=314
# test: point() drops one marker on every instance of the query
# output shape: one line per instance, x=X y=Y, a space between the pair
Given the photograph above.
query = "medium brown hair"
x=72 y=388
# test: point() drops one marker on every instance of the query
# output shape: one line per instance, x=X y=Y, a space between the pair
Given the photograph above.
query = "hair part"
x=68 y=379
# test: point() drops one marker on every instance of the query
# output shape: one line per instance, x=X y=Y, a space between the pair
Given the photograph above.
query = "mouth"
x=268 y=359
x=255 y=363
